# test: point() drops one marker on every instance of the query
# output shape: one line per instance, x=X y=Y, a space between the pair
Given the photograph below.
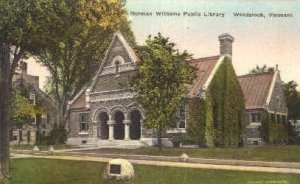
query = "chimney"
x=226 y=41
x=23 y=67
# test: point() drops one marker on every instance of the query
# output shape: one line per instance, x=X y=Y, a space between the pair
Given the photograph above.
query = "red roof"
x=79 y=102
x=256 y=88
x=204 y=68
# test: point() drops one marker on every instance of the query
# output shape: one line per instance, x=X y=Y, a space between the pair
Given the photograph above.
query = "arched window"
x=117 y=65
x=117 y=62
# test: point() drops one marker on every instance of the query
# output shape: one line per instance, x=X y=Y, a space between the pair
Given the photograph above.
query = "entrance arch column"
x=95 y=128
x=127 y=123
x=111 y=123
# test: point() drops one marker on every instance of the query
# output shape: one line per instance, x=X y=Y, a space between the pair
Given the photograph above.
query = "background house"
x=45 y=109
x=264 y=97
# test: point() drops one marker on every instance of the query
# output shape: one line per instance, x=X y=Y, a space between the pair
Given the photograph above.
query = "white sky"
x=258 y=41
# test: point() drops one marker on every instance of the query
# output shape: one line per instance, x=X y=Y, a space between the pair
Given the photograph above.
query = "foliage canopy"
x=259 y=69
x=161 y=81
x=22 y=110
x=83 y=32
x=218 y=119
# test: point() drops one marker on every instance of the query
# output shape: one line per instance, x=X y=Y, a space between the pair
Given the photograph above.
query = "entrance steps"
x=125 y=144
x=98 y=143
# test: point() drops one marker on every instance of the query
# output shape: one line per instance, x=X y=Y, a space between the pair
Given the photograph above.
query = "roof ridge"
x=256 y=74
x=203 y=58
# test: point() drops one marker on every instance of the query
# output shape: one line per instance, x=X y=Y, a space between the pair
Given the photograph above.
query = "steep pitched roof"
x=205 y=71
x=130 y=51
x=33 y=82
x=205 y=67
x=256 y=88
x=78 y=101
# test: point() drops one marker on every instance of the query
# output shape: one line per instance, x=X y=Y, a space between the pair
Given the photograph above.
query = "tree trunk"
x=159 y=143
x=5 y=88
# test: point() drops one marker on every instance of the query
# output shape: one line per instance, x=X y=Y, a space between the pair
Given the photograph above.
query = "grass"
x=46 y=171
x=284 y=153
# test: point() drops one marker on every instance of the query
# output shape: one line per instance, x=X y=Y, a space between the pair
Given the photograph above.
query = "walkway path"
x=165 y=163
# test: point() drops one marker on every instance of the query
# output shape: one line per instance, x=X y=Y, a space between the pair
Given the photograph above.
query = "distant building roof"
x=32 y=82
x=204 y=68
x=256 y=88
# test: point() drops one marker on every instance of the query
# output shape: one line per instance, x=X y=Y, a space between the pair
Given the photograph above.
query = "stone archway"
x=119 y=126
x=103 y=132
x=135 y=125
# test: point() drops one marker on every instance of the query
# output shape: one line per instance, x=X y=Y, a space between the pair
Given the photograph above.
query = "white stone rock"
x=184 y=157
x=126 y=169
x=51 y=150
x=35 y=149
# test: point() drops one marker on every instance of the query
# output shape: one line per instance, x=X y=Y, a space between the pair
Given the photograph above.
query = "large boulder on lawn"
x=119 y=169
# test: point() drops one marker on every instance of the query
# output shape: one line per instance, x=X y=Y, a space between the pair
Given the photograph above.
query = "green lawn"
x=287 y=153
x=46 y=171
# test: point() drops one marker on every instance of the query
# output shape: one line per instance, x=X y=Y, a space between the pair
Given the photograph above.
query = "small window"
x=44 y=118
x=33 y=119
x=255 y=117
x=181 y=118
x=20 y=135
x=32 y=98
x=182 y=121
x=117 y=65
x=84 y=126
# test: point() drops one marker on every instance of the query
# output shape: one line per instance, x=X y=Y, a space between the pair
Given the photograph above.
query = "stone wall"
x=117 y=50
x=277 y=103
x=74 y=123
x=113 y=81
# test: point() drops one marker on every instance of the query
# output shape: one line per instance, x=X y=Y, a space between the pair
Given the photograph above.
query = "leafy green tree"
x=38 y=28
x=22 y=31
x=259 y=69
x=292 y=99
x=161 y=82
x=73 y=56
x=22 y=110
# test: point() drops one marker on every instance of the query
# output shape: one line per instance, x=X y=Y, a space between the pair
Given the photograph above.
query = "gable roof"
x=130 y=51
x=257 y=88
x=78 y=101
x=205 y=71
x=32 y=82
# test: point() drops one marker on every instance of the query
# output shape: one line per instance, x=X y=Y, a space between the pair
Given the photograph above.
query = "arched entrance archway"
x=103 y=132
x=135 y=125
x=119 y=126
